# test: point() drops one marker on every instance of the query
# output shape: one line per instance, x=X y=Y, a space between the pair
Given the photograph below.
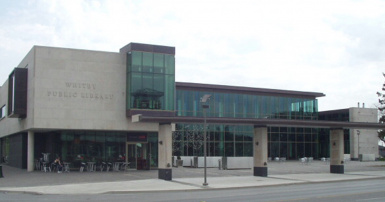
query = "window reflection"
x=151 y=81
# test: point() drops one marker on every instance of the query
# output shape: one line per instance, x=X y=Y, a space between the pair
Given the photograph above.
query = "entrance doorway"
x=137 y=155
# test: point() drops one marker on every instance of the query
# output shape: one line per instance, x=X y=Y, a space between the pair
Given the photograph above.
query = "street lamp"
x=358 y=135
x=205 y=106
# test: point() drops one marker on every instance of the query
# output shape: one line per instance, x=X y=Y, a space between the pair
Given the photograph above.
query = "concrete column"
x=260 y=151
x=337 y=151
x=30 y=151
x=354 y=144
x=165 y=152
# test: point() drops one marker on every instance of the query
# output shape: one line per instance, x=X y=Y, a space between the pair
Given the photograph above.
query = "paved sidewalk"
x=183 y=179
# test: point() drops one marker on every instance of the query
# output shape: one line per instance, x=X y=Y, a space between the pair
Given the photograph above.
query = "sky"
x=333 y=47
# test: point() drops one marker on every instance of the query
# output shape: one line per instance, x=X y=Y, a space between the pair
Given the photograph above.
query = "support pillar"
x=30 y=151
x=165 y=152
x=337 y=151
x=260 y=151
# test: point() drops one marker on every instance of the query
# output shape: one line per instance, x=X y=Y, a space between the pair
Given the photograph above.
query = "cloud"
x=335 y=47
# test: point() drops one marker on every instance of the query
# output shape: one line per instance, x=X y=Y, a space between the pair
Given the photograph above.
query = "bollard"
x=1 y=171
x=219 y=164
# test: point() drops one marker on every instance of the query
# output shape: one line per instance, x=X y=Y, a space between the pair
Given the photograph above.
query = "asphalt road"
x=359 y=191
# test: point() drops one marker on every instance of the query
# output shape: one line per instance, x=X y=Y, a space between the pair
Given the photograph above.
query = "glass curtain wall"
x=339 y=115
x=99 y=146
x=228 y=140
x=150 y=81
x=222 y=140
x=293 y=143
x=246 y=106
x=83 y=146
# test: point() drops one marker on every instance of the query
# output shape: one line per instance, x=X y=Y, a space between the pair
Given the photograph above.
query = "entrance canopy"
x=260 y=138
x=260 y=122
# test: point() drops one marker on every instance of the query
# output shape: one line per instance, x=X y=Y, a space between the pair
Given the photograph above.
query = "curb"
x=200 y=189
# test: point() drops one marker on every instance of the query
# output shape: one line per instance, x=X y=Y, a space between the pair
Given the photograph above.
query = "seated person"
x=59 y=165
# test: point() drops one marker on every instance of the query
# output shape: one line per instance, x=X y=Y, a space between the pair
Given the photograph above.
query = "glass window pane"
x=238 y=136
x=147 y=81
x=291 y=137
x=283 y=149
x=170 y=64
x=248 y=136
x=136 y=59
x=300 y=138
x=218 y=148
x=219 y=135
x=229 y=149
x=158 y=63
x=307 y=137
x=274 y=129
x=308 y=150
x=229 y=136
x=247 y=149
x=315 y=151
x=210 y=149
x=169 y=92
x=300 y=150
x=292 y=151
x=147 y=62
x=274 y=149
x=274 y=137
x=136 y=86
x=239 y=149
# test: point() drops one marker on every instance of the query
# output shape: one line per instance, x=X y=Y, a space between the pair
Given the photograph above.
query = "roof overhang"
x=246 y=90
x=260 y=122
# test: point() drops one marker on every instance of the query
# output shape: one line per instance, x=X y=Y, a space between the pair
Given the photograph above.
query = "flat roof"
x=336 y=111
x=148 y=48
x=246 y=90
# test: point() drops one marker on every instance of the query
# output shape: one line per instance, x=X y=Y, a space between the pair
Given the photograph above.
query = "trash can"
x=1 y=171
x=224 y=163
x=195 y=162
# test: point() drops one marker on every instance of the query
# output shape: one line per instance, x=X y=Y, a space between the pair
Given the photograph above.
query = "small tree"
x=191 y=135
x=381 y=108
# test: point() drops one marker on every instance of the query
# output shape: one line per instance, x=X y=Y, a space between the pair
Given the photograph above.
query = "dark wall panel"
x=17 y=93
x=18 y=151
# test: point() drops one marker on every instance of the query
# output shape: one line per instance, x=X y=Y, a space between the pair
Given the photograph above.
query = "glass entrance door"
x=131 y=156
x=137 y=155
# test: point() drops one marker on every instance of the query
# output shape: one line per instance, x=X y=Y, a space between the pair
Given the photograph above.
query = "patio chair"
x=276 y=159
x=124 y=166
x=45 y=166
x=303 y=160
x=82 y=166
x=109 y=165
x=102 y=166
x=310 y=160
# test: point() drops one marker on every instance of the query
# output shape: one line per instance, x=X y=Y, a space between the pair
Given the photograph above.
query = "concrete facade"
x=73 y=89
x=366 y=142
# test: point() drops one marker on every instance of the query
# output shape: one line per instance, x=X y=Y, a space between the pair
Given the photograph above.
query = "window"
x=151 y=81
x=3 y=112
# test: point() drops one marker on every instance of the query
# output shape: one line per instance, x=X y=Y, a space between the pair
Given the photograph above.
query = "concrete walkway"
x=125 y=182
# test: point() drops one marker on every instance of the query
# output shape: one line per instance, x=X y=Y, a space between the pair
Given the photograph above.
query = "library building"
x=124 y=110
